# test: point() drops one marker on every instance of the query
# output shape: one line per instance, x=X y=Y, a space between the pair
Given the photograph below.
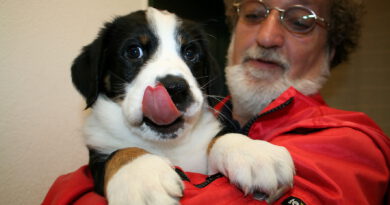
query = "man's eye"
x=254 y=17
x=135 y=52
x=299 y=23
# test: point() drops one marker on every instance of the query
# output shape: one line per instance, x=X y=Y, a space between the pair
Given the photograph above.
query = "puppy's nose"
x=178 y=89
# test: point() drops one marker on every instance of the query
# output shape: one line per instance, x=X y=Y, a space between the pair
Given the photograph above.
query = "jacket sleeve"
x=74 y=188
x=337 y=166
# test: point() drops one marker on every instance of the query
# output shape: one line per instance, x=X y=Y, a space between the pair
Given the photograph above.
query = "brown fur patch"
x=144 y=39
x=119 y=159
x=211 y=144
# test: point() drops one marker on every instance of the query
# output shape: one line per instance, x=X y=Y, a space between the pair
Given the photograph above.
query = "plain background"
x=41 y=113
x=363 y=84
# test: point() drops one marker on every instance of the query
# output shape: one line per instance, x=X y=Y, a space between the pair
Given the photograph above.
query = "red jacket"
x=340 y=157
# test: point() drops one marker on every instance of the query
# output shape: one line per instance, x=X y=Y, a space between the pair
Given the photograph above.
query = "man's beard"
x=253 y=89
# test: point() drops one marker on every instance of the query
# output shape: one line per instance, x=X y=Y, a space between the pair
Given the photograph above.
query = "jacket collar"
x=276 y=109
x=293 y=93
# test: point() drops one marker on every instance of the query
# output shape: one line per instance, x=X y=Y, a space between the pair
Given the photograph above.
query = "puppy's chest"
x=189 y=158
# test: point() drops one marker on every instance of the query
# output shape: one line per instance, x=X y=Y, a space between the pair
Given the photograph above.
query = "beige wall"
x=40 y=111
x=363 y=84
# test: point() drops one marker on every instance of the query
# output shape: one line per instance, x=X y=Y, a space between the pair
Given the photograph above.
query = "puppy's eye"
x=190 y=53
x=135 y=52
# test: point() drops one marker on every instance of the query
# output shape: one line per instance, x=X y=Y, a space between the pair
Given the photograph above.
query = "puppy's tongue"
x=158 y=106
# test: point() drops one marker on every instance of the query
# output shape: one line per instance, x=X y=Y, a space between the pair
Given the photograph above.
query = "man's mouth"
x=263 y=64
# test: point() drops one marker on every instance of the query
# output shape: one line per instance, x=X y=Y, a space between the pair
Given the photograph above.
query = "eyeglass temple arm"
x=322 y=21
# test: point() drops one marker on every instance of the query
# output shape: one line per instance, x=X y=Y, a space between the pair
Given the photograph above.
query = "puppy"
x=144 y=78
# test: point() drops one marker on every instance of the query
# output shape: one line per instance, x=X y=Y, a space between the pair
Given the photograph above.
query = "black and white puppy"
x=143 y=77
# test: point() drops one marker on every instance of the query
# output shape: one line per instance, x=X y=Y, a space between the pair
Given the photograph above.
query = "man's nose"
x=271 y=32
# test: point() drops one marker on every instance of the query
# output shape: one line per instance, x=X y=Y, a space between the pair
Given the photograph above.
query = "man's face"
x=268 y=55
x=303 y=53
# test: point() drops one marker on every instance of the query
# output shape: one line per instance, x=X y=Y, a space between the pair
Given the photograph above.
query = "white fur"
x=253 y=165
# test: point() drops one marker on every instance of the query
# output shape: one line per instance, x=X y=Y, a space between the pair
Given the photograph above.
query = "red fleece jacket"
x=341 y=157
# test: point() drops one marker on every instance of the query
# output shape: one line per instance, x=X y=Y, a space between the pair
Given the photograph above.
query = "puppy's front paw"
x=149 y=179
x=255 y=166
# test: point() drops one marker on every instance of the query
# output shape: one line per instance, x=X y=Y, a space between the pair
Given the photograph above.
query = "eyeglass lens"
x=296 y=19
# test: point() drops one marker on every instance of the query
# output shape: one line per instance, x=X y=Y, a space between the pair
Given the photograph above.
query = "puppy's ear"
x=87 y=69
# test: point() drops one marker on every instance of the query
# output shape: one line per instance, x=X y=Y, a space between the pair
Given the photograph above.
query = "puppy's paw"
x=256 y=167
x=149 y=179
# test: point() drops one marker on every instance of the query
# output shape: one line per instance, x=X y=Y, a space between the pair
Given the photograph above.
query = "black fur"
x=206 y=66
x=97 y=163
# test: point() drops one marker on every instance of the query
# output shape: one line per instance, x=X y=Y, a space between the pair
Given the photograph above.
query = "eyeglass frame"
x=318 y=20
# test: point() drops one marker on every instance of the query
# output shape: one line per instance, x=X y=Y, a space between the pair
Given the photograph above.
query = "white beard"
x=253 y=90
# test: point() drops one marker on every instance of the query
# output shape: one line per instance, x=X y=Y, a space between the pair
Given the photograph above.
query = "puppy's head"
x=153 y=65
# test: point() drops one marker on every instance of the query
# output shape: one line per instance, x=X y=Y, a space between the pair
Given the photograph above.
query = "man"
x=340 y=157
x=279 y=57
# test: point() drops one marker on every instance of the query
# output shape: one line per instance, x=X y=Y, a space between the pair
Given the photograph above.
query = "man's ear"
x=87 y=69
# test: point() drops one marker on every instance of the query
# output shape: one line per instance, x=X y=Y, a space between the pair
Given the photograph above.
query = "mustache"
x=270 y=55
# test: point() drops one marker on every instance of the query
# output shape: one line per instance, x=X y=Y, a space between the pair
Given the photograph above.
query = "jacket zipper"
x=248 y=125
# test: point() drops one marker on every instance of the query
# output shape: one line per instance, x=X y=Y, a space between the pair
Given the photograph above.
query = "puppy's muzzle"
x=163 y=106
x=179 y=90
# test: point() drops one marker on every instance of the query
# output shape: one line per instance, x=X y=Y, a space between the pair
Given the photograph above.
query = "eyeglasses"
x=296 y=18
